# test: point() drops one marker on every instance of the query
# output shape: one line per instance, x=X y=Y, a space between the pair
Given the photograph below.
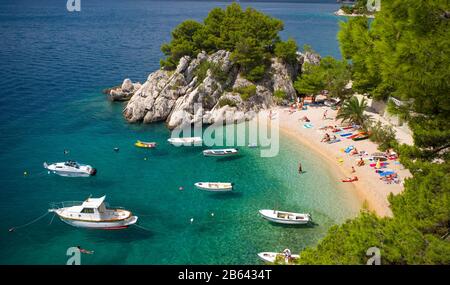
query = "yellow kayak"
x=145 y=144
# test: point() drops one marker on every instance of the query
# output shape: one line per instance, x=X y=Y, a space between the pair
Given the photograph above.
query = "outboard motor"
x=93 y=172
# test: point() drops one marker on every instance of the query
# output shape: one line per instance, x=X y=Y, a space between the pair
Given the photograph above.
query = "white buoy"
x=192 y=220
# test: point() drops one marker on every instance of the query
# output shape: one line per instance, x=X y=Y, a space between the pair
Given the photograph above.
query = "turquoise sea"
x=53 y=66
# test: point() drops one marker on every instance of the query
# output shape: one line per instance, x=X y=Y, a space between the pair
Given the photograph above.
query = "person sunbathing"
x=354 y=151
x=349 y=179
x=326 y=138
x=361 y=162
x=305 y=119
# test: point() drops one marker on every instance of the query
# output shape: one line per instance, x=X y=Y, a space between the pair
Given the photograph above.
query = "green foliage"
x=226 y=101
x=246 y=91
x=311 y=81
x=216 y=72
x=287 y=50
x=384 y=135
x=280 y=94
x=331 y=74
x=360 y=7
x=201 y=71
x=404 y=53
x=353 y=112
x=182 y=43
x=250 y=35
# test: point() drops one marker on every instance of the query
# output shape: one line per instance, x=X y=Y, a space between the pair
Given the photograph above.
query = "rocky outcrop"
x=123 y=92
x=308 y=57
x=189 y=94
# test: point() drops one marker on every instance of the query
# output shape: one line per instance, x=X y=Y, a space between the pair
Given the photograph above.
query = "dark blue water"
x=53 y=66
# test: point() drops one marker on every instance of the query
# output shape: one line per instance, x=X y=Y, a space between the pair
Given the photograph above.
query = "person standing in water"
x=300 y=169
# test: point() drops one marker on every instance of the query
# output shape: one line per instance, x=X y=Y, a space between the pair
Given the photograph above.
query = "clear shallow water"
x=54 y=65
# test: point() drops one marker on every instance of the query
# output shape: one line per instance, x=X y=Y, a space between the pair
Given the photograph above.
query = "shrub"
x=384 y=135
x=226 y=101
x=280 y=94
x=246 y=91
x=201 y=71
x=287 y=51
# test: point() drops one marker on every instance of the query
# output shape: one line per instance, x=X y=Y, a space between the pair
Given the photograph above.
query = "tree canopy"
x=250 y=35
x=331 y=74
x=403 y=53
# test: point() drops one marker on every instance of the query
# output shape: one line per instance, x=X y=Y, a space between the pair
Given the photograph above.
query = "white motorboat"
x=185 y=141
x=93 y=214
x=220 y=152
x=271 y=257
x=71 y=168
x=214 y=186
x=285 y=217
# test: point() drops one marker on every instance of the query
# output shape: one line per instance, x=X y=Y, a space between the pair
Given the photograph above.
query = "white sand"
x=369 y=187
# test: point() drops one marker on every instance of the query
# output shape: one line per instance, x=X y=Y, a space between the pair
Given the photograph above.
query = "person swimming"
x=85 y=251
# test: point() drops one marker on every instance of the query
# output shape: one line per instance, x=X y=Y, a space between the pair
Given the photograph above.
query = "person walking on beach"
x=324 y=115
x=300 y=169
x=353 y=169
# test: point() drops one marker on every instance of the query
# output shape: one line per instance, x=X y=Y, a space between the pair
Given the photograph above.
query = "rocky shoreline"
x=341 y=12
x=209 y=88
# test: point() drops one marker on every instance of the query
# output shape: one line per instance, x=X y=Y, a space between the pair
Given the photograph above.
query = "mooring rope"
x=29 y=223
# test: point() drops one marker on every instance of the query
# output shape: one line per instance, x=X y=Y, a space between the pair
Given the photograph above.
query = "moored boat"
x=93 y=214
x=145 y=144
x=271 y=257
x=214 y=186
x=71 y=168
x=185 y=141
x=220 y=152
x=282 y=217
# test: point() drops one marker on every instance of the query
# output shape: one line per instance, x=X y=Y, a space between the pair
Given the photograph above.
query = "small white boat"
x=71 y=168
x=185 y=141
x=285 y=217
x=271 y=257
x=252 y=145
x=93 y=214
x=220 y=152
x=214 y=186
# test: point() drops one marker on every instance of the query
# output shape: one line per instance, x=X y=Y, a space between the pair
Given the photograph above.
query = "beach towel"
x=349 y=149
x=307 y=126
x=346 y=134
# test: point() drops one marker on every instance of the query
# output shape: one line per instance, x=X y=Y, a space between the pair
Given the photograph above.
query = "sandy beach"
x=369 y=188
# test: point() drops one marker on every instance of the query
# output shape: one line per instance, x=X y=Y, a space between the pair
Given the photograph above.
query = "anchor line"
x=29 y=223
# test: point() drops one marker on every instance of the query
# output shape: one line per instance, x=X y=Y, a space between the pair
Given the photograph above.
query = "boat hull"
x=205 y=187
x=271 y=257
x=70 y=174
x=220 y=152
x=113 y=225
x=268 y=215
x=197 y=141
